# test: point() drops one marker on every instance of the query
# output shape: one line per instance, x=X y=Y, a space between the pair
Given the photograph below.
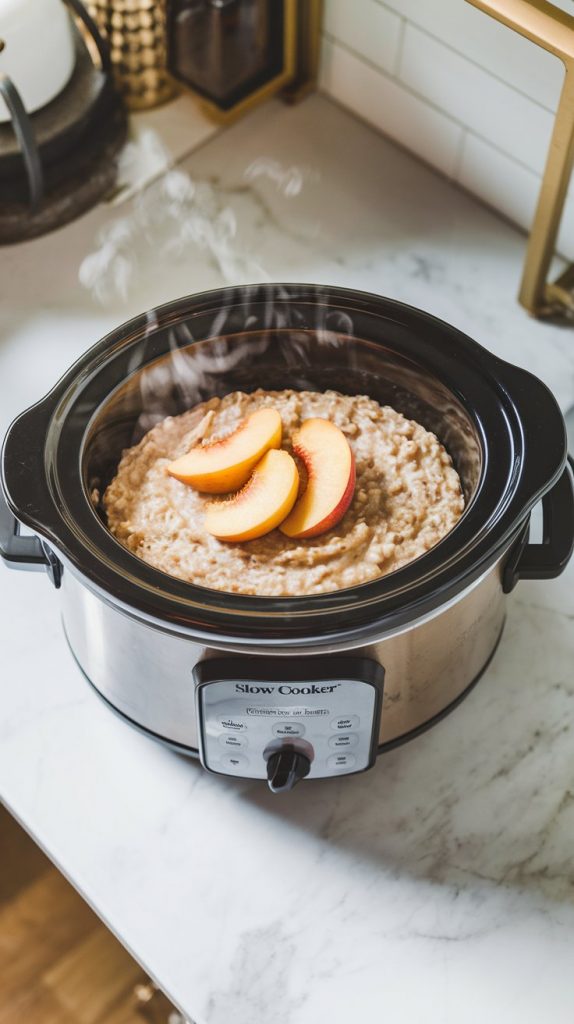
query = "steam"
x=190 y=214
x=141 y=160
x=289 y=180
x=173 y=216
x=109 y=269
x=261 y=337
x=260 y=327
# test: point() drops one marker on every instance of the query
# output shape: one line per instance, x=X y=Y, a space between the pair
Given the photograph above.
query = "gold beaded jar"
x=136 y=30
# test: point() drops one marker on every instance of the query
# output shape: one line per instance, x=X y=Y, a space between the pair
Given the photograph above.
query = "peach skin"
x=330 y=465
x=261 y=505
x=223 y=466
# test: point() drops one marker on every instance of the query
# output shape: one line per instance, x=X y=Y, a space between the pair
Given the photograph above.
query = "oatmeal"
x=407 y=497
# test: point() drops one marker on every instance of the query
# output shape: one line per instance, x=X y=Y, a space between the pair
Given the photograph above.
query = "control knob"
x=285 y=767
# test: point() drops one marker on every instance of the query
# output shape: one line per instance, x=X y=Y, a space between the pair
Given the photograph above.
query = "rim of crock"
x=523 y=441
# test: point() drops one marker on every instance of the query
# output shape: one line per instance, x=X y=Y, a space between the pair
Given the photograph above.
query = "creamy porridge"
x=407 y=497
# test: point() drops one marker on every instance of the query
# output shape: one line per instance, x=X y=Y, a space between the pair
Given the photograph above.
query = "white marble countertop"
x=439 y=886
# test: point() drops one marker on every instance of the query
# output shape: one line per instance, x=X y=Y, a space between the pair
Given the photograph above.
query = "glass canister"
x=226 y=49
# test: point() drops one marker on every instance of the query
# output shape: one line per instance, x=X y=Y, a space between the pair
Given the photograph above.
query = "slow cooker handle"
x=546 y=560
x=19 y=552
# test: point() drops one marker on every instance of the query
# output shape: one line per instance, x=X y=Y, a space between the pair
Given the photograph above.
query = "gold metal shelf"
x=553 y=30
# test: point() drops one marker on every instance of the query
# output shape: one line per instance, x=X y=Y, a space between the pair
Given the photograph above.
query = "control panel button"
x=289 y=727
x=344 y=740
x=345 y=723
x=232 y=741
x=232 y=724
x=235 y=762
x=338 y=762
x=289 y=718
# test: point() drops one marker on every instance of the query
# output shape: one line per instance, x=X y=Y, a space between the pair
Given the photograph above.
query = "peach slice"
x=219 y=467
x=330 y=466
x=262 y=504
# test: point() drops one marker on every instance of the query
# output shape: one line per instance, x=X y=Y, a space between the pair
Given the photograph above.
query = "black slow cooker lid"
x=514 y=419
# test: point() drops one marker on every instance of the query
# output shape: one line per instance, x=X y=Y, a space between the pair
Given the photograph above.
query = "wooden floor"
x=58 y=963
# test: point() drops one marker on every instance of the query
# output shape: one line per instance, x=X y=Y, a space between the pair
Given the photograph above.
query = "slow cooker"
x=299 y=687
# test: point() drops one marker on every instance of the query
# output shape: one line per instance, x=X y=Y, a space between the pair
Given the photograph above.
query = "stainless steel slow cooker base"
x=149 y=675
x=382 y=748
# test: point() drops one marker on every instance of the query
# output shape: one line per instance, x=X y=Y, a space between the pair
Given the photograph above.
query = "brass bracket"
x=553 y=30
x=309 y=22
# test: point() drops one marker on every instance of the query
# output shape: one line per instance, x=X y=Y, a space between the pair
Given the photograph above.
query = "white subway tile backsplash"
x=511 y=188
x=445 y=80
x=489 y=44
x=374 y=32
x=517 y=125
x=499 y=180
x=390 y=107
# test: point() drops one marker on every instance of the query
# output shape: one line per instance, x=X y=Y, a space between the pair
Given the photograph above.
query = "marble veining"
x=437 y=887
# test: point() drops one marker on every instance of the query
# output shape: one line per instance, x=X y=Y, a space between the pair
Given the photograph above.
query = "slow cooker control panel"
x=288 y=718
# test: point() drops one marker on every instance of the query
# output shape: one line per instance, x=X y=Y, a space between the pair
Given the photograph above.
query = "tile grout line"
x=496 y=211
x=335 y=43
x=460 y=155
x=488 y=204
x=471 y=60
x=391 y=77
x=400 y=47
x=432 y=106
x=418 y=157
x=502 y=152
